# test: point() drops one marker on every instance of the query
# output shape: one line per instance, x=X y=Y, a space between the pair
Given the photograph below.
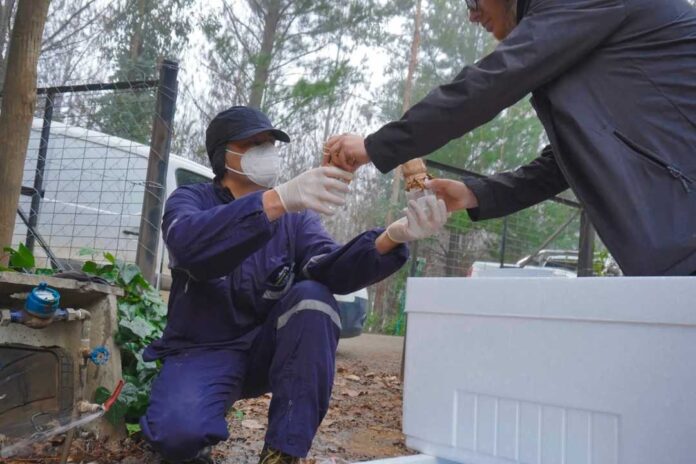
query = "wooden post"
x=156 y=186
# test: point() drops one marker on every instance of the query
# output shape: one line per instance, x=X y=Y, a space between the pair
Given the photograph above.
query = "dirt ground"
x=363 y=422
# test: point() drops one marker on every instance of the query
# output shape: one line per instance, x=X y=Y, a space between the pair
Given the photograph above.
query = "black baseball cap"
x=237 y=123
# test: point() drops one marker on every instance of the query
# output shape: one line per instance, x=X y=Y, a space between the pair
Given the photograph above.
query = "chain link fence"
x=95 y=153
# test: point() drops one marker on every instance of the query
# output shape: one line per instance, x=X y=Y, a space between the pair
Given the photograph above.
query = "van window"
x=186 y=177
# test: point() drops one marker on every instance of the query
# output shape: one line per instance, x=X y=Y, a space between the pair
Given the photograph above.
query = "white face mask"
x=261 y=164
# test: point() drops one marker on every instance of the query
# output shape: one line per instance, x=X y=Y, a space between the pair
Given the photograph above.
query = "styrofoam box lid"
x=654 y=300
x=416 y=459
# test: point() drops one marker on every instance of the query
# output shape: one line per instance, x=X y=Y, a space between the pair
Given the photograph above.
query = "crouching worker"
x=251 y=308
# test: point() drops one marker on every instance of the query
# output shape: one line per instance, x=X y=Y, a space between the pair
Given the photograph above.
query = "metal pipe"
x=414 y=259
x=550 y=238
x=124 y=85
x=86 y=318
x=586 y=247
x=85 y=349
x=155 y=186
x=84 y=341
x=54 y=261
x=20 y=316
x=85 y=406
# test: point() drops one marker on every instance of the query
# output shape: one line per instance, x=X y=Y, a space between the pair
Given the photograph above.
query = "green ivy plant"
x=141 y=320
x=22 y=259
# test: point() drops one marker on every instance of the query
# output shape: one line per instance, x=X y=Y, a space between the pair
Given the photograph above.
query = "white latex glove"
x=319 y=189
x=424 y=217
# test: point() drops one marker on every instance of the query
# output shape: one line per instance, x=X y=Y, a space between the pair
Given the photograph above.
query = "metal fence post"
x=586 y=247
x=503 y=242
x=40 y=169
x=155 y=184
x=414 y=259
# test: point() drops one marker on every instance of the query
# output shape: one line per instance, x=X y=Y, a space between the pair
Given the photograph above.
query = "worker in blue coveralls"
x=251 y=308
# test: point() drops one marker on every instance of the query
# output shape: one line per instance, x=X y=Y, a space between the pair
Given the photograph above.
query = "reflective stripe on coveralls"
x=314 y=305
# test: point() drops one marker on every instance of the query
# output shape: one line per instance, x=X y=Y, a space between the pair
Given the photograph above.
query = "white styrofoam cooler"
x=416 y=459
x=552 y=371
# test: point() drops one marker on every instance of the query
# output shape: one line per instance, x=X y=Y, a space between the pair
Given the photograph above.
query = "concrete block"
x=99 y=300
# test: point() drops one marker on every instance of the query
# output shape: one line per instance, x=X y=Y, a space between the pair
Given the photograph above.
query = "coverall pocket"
x=279 y=282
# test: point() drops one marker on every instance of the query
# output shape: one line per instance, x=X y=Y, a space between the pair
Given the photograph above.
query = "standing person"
x=251 y=308
x=614 y=84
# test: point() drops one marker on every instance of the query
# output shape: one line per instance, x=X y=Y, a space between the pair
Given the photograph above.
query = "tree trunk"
x=406 y=104
x=413 y=60
x=383 y=302
x=330 y=109
x=262 y=64
x=6 y=9
x=135 y=48
x=18 y=108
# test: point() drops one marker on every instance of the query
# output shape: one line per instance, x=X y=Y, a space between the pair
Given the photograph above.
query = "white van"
x=93 y=192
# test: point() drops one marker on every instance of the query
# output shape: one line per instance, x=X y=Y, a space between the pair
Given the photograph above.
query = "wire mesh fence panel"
x=549 y=225
x=87 y=163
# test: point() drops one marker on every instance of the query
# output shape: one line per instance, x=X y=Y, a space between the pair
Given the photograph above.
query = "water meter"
x=42 y=301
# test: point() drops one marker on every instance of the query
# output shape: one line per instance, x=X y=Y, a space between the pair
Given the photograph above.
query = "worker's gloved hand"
x=424 y=217
x=320 y=189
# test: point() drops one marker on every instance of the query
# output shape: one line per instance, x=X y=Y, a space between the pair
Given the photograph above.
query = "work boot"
x=271 y=456
x=204 y=457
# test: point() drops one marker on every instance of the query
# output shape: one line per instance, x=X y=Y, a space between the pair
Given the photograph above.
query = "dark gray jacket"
x=614 y=84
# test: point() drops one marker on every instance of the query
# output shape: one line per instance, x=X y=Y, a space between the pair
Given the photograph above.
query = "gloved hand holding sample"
x=424 y=217
x=317 y=189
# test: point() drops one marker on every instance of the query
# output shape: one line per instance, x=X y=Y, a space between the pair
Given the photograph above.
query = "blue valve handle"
x=100 y=355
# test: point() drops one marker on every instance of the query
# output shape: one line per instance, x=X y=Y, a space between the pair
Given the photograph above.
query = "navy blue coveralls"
x=251 y=310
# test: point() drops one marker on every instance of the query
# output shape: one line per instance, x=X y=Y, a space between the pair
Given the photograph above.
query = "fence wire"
x=93 y=144
x=548 y=232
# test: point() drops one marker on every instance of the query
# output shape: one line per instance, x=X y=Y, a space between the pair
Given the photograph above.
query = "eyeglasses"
x=472 y=5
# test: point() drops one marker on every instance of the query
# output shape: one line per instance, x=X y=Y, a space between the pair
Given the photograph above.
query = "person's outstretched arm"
x=370 y=256
x=503 y=193
x=208 y=243
x=553 y=36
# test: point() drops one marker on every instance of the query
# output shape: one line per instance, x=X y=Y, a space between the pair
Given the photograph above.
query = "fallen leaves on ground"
x=363 y=422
